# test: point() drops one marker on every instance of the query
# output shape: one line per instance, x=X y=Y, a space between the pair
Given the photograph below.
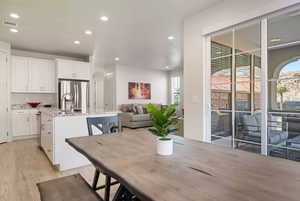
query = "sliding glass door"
x=247 y=119
x=235 y=88
x=221 y=89
x=284 y=86
x=246 y=86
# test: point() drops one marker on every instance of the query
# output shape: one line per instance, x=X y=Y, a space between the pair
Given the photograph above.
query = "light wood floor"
x=23 y=164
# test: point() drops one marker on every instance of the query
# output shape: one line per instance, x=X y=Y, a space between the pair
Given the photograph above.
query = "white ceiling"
x=136 y=32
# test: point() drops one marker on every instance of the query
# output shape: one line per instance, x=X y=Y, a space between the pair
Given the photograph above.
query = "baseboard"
x=26 y=137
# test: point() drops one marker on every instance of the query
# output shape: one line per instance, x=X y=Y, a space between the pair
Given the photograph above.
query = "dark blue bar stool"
x=103 y=126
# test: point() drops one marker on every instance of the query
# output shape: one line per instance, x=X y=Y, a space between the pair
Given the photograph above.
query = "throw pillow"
x=145 y=111
x=139 y=109
x=134 y=109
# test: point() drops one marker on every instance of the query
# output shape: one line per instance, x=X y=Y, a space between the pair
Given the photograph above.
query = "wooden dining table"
x=196 y=171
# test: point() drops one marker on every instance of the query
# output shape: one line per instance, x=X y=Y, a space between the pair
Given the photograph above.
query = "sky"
x=292 y=67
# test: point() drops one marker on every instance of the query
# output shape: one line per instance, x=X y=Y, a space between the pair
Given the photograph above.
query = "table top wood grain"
x=195 y=172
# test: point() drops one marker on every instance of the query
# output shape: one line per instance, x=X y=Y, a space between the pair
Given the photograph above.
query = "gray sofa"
x=134 y=119
x=249 y=129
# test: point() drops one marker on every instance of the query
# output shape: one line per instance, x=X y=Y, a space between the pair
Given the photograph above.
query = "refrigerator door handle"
x=75 y=96
x=77 y=103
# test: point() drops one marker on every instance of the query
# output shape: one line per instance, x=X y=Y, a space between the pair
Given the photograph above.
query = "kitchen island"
x=56 y=127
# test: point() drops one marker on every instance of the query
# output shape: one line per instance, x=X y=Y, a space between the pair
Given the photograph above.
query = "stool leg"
x=96 y=178
x=107 y=188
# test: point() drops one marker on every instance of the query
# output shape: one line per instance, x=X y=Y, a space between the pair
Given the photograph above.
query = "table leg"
x=96 y=178
x=107 y=188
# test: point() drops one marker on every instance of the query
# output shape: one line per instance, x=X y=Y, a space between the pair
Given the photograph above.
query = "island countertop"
x=55 y=112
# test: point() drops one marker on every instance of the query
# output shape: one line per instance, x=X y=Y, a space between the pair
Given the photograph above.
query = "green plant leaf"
x=162 y=119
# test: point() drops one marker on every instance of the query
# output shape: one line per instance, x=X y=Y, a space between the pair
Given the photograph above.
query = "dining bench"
x=69 y=188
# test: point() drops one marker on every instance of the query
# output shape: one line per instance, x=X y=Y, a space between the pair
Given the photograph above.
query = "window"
x=287 y=87
x=175 y=90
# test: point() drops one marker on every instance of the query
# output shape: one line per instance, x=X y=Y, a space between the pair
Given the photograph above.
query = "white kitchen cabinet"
x=20 y=123
x=34 y=122
x=47 y=134
x=31 y=75
x=67 y=69
x=41 y=76
x=25 y=123
x=20 y=74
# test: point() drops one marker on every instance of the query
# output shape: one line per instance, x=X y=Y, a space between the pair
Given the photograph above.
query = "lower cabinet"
x=25 y=123
x=47 y=134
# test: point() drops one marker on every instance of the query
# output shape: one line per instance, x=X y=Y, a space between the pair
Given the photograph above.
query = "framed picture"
x=139 y=90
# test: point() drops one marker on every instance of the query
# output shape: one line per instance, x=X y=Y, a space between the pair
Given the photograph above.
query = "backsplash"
x=20 y=98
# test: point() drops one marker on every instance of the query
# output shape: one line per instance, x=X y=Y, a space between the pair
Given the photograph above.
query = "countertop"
x=55 y=112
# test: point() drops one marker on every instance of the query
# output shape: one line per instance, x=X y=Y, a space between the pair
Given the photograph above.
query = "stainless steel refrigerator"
x=79 y=92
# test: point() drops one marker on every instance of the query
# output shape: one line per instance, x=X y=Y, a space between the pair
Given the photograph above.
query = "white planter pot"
x=164 y=147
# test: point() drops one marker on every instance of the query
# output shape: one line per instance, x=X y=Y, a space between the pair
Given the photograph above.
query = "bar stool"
x=103 y=126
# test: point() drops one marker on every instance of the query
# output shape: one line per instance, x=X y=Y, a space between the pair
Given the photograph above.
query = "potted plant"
x=162 y=120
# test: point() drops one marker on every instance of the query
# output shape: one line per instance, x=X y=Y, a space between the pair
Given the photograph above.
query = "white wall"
x=157 y=78
x=110 y=91
x=223 y=15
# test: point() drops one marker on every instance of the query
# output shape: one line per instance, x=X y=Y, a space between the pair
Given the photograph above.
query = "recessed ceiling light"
x=171 y=37
x=88 y=32
x=275 y=40
x=167 y=67
x=13 y=30
x=77 y=42
x=104 y=18
x=14 y=15
x=117 y=59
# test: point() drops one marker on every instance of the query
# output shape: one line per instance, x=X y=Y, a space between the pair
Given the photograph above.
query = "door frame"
x=7 y=137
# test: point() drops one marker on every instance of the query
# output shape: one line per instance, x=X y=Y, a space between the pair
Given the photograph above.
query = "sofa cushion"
x=258 y=118
x=274 y=137
x=139 y=109
x=250 y=123
x=126 y=107
x=141 y=117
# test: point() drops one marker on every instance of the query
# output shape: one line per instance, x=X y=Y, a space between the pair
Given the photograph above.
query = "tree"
x=281 y=91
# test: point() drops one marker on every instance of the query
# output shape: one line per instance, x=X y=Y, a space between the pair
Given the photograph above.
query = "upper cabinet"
x=20 y=74
x=77 y=70
x=42 y=75
x=31 y=75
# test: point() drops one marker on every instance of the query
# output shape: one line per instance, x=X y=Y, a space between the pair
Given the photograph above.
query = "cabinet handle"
x=49 y=133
